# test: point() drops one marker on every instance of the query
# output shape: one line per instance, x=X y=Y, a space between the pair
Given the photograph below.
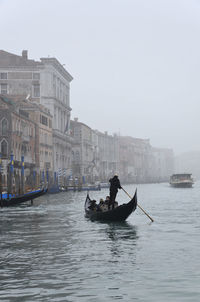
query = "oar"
x=139 y=206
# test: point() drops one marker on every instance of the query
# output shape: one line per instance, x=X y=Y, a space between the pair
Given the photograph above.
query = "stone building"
x=82 y=151
x=44 y=149
x=108 y=155
x=98 y=156
x=47 y=82
x=29 y=135
x=162 y=164
x=17 y=138
x=126 y=159
x=134 y=158
x=95 y=154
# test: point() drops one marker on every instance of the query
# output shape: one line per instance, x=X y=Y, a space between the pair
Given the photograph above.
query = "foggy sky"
x=135 y=63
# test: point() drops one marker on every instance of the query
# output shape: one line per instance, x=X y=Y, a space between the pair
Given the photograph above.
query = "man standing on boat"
x=114 y=186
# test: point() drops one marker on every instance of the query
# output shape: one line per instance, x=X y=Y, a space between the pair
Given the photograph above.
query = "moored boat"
x=15 y=200
x=119 y=213
x=183 y=180
x=104 y=185
x=84 y=188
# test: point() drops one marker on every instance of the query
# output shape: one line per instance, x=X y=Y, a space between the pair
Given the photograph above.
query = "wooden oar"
x=139 y=206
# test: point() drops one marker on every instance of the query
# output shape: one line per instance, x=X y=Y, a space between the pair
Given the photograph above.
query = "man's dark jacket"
x=114 y=184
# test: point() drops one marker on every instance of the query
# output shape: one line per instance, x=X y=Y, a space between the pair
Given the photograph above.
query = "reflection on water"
x=51 y=252
x=122 y=236
x=122 y=231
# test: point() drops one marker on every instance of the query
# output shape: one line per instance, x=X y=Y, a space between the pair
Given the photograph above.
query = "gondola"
x=13 y=201
x=120 y=213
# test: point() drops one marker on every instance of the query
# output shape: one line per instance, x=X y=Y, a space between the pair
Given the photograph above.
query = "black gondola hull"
x=121 y=213
x=21 y=199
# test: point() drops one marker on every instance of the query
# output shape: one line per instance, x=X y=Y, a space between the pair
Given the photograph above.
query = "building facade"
x=95 y=154
x=162 y=164
x=48 y=83
x=108 y=155
x=44 y=149
x=28 y=134
x=18 y=142
x=82 y=152
x=134 y=159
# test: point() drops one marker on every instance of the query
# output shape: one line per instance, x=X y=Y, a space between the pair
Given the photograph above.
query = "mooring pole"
x=22 y=173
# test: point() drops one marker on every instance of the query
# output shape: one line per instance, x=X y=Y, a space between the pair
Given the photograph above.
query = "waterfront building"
x=44 y=136
x=108 y=154
x=162 y=164
x=126 y=159
x=48 y=83
x=95 y=154
x=95 y=160
x=17 y=139
x=30 y=137
x=134 y=154
x=82 y=152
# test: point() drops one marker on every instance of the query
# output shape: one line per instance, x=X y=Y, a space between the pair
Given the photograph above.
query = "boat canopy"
x=181 y=176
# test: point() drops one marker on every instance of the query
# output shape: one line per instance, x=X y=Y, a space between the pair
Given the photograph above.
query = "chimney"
x=76 y=119
x=25 y=54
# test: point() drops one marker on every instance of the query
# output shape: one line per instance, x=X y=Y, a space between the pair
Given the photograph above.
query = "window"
x=36 y=91
x=43 y=120
x=4 y=88
x=4 y=127
x=4 y=148
x=3 y=75
x=36 y=76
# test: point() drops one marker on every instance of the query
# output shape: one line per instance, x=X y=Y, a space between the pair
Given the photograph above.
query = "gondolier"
x=114 y=186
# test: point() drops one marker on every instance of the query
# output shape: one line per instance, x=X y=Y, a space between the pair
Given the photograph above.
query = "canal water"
x=51 y=252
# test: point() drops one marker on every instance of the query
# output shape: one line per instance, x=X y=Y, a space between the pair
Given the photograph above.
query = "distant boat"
x=104 y=185
x=84 y=188
x=184 y=180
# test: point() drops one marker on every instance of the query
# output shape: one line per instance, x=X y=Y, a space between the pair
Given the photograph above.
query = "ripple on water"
x=51 y=252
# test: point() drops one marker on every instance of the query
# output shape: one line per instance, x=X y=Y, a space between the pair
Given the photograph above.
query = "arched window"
x=4 y=126
x=4 y=148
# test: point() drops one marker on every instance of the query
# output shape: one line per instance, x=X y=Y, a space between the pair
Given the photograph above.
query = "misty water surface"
x=51 y=252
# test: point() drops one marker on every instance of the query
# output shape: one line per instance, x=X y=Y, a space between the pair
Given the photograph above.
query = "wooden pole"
x=47 y=178
x=140 y=207
x=22 y=174
x=11 y=173
x=1 y=187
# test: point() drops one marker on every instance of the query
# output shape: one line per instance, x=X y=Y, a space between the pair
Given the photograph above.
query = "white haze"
x=136 y=64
